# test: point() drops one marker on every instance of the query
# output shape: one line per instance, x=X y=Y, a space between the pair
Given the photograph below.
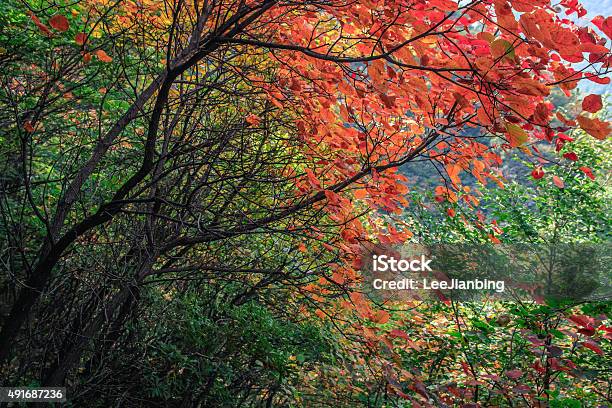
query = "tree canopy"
x=188 y=186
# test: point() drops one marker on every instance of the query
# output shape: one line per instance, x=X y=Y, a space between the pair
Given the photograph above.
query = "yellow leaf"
x=516 y=135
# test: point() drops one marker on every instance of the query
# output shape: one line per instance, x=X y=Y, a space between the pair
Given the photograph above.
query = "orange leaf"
x=253 y=119
x=27 y=126
x=332 y=197
x=312 y=179
x=453 y=171
x=381 y=317
x=103 y=56
x=558 y=182
x=361 y=193
x=59 y=22
x=565 y=120
x=594 y=127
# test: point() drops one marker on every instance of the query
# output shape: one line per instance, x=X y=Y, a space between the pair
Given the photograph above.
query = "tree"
x=151 y=140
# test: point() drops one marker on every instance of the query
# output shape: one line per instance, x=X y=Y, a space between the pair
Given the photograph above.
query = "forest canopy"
x=188 y=189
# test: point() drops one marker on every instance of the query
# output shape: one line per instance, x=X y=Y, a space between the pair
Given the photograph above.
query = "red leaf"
x=332 y=197
x=598 y=80
x=591 y=345
x=59 y=22
x=581 y=320
x=514 y=374
x=538 y=367
x=388 y=100
x=592 y=103
x=494 y=239
x=43 y=28
x=398 y=333
x=587 y=331
x=571 y=156
x=558 y=182
x=521 y=389
x=444 y=5
x=604 y=25
x=80 y=38
x=588 y=172
x=537 y=173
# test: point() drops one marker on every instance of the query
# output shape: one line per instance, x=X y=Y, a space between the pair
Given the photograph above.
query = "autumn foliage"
x=164 y=148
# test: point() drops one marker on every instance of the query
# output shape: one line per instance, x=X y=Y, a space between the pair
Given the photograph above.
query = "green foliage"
x=213 y=352
x=485 y=340
x=528 y=210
